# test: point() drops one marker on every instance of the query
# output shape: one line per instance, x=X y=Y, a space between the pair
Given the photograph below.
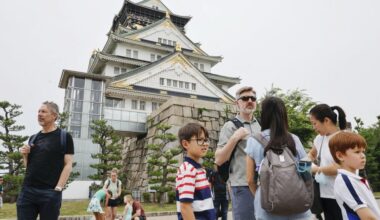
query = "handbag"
x=316 y=208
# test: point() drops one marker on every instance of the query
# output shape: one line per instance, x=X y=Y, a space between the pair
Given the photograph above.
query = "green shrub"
x=146 y=197
x=12 y=187
x=171 y=197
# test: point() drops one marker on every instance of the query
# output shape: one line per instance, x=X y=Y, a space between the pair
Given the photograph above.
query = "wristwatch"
x=58 y=188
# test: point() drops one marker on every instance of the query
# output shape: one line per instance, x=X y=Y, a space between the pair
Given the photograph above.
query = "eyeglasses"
x=201 y=141
x=246 y=98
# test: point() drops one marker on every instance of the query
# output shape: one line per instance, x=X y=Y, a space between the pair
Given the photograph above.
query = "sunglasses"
x=246 y=98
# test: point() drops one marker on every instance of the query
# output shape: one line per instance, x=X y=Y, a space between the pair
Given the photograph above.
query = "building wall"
x=176 y=112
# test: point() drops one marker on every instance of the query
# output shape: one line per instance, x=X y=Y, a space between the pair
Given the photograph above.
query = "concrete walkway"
x=151 y=216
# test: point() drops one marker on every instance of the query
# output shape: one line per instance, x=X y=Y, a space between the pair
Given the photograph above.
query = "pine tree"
x=11 y=158
x=110 y=149
x=162 y=165
x=372 y=136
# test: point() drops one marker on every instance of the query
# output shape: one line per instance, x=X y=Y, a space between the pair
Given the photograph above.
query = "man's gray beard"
x=248 y=111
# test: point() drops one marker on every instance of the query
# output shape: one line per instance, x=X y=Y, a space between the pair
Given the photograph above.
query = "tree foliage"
x=298 y=104
x=372 y=136
x=110 y=148
x=162 y=164
x=11 y=158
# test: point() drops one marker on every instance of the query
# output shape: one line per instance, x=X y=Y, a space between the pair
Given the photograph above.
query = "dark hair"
x=275 y=118
x=322 y=111
x=109 y=192
x=343 y=141
x=189 y=130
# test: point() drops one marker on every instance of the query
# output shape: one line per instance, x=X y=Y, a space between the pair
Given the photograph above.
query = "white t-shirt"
x=352 y=193
x=113 y=187
x=321 y=143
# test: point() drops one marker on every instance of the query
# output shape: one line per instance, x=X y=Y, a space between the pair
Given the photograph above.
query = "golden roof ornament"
x=178 y=47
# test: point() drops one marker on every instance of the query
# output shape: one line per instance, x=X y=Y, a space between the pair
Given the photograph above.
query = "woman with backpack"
x=324 y=120
x=275 y=140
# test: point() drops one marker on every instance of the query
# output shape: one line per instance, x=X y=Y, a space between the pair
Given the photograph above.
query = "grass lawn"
x=80 y=207
x=377 y=194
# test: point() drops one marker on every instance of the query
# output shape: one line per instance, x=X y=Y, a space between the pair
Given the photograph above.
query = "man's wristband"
x=58 y=188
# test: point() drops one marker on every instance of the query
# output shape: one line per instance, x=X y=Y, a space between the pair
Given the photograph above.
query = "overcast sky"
x=329 y=48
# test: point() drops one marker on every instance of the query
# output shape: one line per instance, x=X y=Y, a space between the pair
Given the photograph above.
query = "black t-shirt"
x=46 y=160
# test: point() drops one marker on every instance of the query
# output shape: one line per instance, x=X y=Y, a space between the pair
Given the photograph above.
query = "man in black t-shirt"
x=48 y=165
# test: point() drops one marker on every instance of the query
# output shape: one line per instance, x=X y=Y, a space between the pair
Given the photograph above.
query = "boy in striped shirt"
x=352 y=192
x=193 y=193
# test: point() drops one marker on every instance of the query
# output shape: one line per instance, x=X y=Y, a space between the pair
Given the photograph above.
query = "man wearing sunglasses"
x=232 y=137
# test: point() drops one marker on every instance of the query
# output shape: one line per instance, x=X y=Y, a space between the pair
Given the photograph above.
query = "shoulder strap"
x=33 y=138
x=260 y=138
x=238 y=124
x=108 y=183
x=64 y=140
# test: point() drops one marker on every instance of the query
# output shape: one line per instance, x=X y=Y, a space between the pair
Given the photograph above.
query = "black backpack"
x=109 y=183
x=63 y=140
x=224 y=170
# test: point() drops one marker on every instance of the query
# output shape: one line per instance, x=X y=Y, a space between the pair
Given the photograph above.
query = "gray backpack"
x=283 y=190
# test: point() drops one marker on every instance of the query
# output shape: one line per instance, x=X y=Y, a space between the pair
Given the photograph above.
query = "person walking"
x=232 y=137
x=48 y=166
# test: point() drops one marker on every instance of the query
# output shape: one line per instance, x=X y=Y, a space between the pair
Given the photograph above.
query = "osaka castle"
x=147 y=61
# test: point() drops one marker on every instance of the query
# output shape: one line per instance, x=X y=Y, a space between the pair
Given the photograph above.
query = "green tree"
x=110 y=149
x=162 y=164
x=298 y=104
x=372 y=136
x=11 y=158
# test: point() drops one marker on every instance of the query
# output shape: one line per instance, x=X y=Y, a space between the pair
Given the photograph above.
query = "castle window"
x=175 y=83
x=164 y=41
x=116 y=70
x=135 y=54
x=142 y=105
x=193 y=86
x=186 y=85
x=174 y=42
x=162 y=81
x=154 y=106
x=159 y=40
x=168 y=82
x=134 y=104
x=129 y=53
x=169 y=42
x=180 y=84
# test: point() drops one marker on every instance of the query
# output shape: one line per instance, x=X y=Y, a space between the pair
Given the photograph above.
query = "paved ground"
x=174 y=217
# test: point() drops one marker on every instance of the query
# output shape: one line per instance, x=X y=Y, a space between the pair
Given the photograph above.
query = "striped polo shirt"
x=352 y=193
x=193 y=187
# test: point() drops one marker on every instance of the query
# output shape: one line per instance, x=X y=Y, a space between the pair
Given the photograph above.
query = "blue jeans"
x=221 y=208
x=242 y=203
x=32 y=201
